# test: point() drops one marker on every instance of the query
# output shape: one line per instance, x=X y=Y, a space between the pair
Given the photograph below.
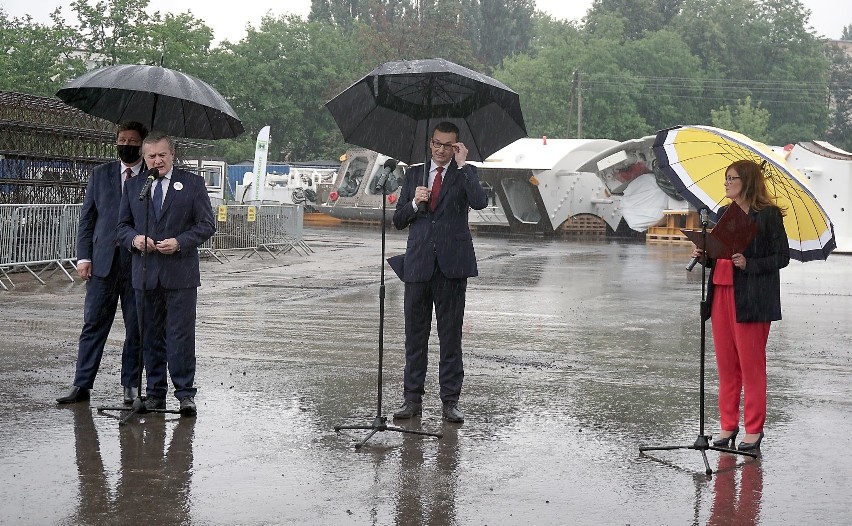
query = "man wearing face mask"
x=107 y=269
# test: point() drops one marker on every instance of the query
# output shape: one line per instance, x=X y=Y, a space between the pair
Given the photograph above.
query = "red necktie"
x=436 y=189
x=127 y=175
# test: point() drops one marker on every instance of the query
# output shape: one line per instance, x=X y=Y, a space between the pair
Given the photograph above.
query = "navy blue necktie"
x=158 y=197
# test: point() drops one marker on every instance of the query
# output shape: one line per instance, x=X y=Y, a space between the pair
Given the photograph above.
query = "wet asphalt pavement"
x=575 y=354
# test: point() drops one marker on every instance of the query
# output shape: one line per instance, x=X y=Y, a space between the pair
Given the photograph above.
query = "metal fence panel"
x=236 y=229
x=7 y=243
x=46 y=235
x=280 y=229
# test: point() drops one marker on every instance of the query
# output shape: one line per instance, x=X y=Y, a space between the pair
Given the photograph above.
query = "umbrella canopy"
x=394 y=107
x=695 y=159
x=162 y=99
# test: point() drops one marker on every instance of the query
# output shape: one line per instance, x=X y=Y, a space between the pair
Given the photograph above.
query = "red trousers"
x=741 y=359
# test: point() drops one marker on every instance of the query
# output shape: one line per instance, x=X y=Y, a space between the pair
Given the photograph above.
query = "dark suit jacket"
x=186 y=216
x=97 y=230
x=444 y=234
x=757 y=289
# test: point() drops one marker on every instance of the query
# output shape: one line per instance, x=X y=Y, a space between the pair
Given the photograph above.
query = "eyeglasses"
x=729 y=180
x=441 y=146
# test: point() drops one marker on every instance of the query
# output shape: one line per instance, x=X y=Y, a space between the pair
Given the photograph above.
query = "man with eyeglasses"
x=439 y=258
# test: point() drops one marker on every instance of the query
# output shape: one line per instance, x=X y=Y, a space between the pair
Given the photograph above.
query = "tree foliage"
x=639 y=16
x=642 y=65
x=37 y=58
x=479 y=33
x=744 y=117
x=840 y=99
x=113 y=31
x=281 y=74
x=180 y=42
x=543 y=78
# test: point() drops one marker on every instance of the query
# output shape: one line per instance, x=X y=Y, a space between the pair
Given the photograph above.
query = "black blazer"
x=757 y=289
x=443 y=234
x=186 y=216
x=96 y=234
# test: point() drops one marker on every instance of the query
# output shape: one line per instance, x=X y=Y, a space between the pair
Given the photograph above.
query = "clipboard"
x=731 y=235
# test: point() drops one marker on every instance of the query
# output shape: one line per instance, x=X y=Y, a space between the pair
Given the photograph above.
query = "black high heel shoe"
x=726 y=442
x=749 y=446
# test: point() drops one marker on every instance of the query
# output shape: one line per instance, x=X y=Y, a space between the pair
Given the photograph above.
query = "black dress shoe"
x=76 y=394
x=130 y=394
x=187 y=406
x=154 y=403
x=452 y=413
x=727 y=442
x=408 y=410
x=751 y=446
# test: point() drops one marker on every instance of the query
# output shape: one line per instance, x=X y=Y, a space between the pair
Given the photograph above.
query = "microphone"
x=421 y=206
x=152 y=176
x=390 y=166
x=704 y=220
x=691 y=265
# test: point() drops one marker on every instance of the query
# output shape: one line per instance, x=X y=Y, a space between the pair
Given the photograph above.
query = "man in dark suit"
x=439 y=257
x=177 y=219
x=106 y=268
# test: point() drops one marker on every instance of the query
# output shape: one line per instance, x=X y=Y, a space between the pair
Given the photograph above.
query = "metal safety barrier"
x=6 y=243
x=280 y=229
x=38 y=238
x=273 y=229
x=38 y=235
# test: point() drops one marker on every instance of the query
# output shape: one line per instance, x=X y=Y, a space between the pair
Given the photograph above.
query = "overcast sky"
x=827 y=16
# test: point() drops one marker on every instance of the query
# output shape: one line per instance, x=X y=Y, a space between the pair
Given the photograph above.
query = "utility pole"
x=576 y=94
x=579 y=104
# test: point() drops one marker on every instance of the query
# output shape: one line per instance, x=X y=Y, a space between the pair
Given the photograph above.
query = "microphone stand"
x=702 y=443
x=380 y=422
x=138 y=406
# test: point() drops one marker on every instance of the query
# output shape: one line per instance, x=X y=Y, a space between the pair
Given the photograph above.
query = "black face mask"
x=129 y=153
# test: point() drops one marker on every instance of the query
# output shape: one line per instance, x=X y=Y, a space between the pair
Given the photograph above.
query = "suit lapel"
x=448 y=179
x=114 y=176
x=170 y=194
x=116 y=184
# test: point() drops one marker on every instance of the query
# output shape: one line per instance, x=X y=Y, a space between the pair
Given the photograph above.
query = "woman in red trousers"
x=744 y=294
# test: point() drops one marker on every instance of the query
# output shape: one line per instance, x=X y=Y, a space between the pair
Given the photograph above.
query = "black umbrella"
x=162 y=99
x=394 y=107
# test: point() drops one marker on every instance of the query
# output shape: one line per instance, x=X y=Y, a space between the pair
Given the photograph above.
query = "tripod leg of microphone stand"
x=749 y=454
x=380 y=424
x=415 y=432
x=707 y=469
x=360 y=444
x=138 y=408
x=702 y=444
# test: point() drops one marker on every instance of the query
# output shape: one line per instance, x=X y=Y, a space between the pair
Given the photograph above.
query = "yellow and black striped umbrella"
x=695 y=159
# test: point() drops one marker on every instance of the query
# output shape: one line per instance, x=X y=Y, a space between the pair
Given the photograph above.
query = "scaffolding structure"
x=48 y=149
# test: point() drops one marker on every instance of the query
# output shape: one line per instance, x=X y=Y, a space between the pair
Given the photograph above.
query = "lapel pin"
x=178 y=186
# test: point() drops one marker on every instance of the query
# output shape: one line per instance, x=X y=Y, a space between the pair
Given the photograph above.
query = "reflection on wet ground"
x=575 y=353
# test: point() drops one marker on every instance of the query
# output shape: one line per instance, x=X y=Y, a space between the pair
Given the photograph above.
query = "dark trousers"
x=169 y=326
x=447 y=295
x=102 y=295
